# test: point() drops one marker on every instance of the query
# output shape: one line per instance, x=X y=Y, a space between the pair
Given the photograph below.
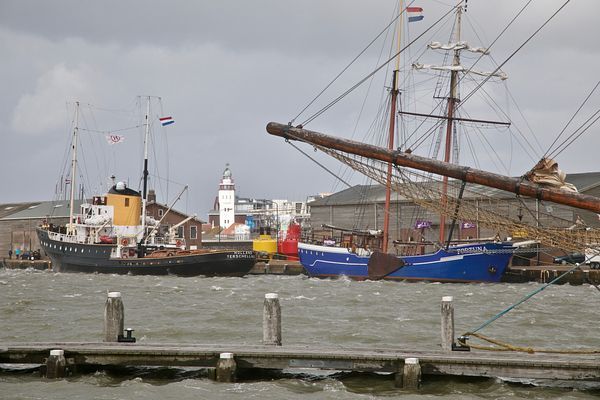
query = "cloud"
x=224 y=69
x=43 y=110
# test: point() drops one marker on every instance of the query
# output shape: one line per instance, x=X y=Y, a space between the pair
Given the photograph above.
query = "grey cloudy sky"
x=225 y=68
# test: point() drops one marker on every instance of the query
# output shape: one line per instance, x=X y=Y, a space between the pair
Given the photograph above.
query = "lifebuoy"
x=178 y=243
x=124 y=242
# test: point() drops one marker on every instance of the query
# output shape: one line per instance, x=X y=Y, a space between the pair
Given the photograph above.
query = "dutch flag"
x=166 y=121
x=414 y=14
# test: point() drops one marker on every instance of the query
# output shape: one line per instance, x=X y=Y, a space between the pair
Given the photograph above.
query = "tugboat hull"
x=96 y=258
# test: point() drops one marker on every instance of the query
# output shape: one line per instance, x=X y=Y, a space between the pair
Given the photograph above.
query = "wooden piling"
x=114 y=317
x=447 y=323
x=411 y=375
x=272 y=320
x=226 y=368
x=56 y=364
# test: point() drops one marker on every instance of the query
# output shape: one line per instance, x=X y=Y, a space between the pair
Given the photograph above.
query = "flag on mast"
x=166 y=121
x=414 y=14
x=114 y=139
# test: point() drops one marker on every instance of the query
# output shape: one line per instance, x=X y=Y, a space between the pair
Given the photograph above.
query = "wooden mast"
x=391 y=133
x=452 y=100
x=515 y=185
x=388 y=181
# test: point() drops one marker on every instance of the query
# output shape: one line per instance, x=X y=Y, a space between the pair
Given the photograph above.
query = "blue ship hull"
x=481 y=262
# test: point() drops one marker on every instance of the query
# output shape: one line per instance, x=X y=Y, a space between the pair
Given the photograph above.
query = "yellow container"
x=265 y=244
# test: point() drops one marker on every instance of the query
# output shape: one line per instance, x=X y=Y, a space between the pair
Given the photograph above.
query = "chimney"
x=151 y=196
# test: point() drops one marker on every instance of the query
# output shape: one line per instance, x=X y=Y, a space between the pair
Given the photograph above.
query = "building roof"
x=37 y=210
x=53 y=209
x=174 y=211
x=230 y=230
x=584 y=181
x=361 y=194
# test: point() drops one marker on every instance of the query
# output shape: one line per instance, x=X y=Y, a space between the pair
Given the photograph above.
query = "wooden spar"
x=388 y=179
x=454 y=118
x=467 y=174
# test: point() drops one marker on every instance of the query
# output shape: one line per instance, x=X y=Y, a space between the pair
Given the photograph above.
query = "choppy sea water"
x=44 y=306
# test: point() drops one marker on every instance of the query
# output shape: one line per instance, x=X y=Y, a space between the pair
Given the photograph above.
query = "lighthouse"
x=226 y=199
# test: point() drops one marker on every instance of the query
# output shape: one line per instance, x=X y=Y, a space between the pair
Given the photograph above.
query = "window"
x=126 y=202
x=180 y=232
x=193 y=232
x=160 y=212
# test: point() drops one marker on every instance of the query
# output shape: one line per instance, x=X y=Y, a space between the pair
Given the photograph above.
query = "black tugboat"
x=109 y=235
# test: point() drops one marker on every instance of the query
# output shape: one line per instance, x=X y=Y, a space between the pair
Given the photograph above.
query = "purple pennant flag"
x=422 y=224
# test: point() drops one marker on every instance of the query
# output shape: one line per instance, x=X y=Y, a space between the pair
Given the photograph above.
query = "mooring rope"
x=523 y=300
x=502 y=346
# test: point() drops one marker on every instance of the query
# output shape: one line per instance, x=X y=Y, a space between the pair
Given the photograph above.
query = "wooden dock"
x=24 y=264
x=278 y=267
x=229 y=362
x=265 y=357
x=547 y=273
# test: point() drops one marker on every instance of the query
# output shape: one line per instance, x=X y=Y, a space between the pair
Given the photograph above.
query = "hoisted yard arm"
x=467 y=174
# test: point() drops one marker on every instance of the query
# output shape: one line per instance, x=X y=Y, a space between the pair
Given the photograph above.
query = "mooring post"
x=226 y=368
x=272 y=320
x=447 y=323
x=411 y=375
x=114 y=317
x=56 y=364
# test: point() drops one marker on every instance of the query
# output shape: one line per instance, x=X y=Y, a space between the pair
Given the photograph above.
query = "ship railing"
x=162 y=241
x=62 y=237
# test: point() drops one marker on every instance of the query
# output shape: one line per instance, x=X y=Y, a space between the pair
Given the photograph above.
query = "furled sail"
x=546 y=172
x=458 y=46
x=460 y=68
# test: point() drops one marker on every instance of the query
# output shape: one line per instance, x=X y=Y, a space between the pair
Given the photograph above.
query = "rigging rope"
x=513 y=53
x=482 y=205
x=319 y=164
x=489 y=47
x=384 y=30
x=521 y=301
x=582 y=132
x=359 y=83
x=548 y=152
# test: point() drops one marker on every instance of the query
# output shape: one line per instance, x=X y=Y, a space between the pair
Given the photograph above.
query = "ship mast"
x=452 y=101
x=391 y=133
x=145 y=173
x=70 y=226
x=388 y=182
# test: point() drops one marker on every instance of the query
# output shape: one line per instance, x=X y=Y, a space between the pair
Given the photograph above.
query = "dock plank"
x=475 y=363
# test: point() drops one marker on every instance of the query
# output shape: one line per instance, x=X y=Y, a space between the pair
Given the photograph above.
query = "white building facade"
x=226 y=199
